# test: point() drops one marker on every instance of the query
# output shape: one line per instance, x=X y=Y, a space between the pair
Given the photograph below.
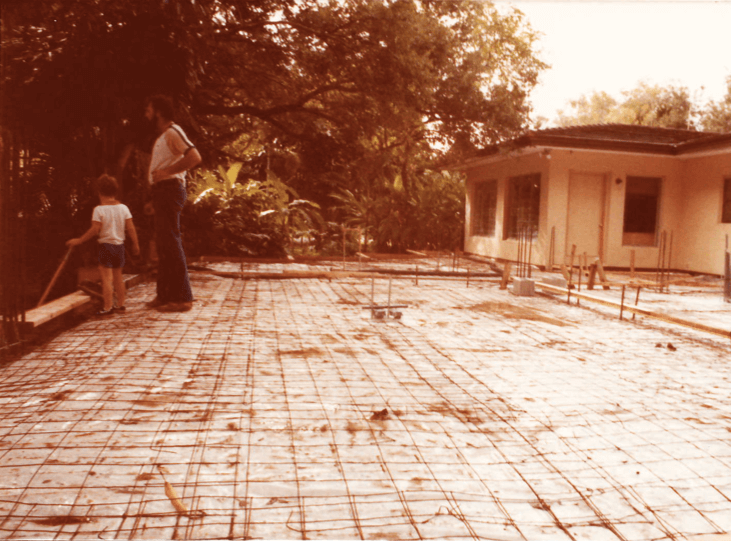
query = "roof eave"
x=700 y=145
x=562 y=141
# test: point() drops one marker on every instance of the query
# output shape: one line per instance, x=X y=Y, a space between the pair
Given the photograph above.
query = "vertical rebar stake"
x=373 y=288
x=388 y=304
x=670 y=255
x=416 y=276
x=343 y=227
x=578 y=300
x=637 y=300
x=658 y=270
x=468 y=277
x=727 y=275
x=621 y=306
x=530 y=250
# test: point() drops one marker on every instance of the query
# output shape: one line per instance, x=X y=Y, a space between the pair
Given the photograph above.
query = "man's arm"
x=188 y=161
x=179 y=146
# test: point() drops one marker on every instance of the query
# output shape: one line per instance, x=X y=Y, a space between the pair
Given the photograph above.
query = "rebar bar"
x=530 y=251
x=621 y=307
x=637 y=300
x=271 y=411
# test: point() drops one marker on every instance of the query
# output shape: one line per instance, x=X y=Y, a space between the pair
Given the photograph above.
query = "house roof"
x=618 y=137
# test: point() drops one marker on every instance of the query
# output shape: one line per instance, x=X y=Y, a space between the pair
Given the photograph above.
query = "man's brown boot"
x=154 y=303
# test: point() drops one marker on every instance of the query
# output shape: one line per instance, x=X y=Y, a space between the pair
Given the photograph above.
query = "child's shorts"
x=111 y=255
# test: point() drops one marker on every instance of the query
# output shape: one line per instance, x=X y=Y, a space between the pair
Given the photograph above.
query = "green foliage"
x=430 y=216
x=646 y=105
x=311 y=79
x=716 y=117
x=223 y=187
x=596 y=108
x=310 y=97
x=227 y=217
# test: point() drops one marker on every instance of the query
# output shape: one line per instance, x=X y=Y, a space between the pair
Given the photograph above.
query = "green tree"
x=596 y=108
x=645 y=105
x=334 y=94
x=309 y=76
x=716 y=116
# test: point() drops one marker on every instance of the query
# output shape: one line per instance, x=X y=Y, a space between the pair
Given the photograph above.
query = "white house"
x=608 y=189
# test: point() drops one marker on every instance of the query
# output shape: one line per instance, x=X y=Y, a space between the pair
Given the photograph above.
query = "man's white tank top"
x=162 y=156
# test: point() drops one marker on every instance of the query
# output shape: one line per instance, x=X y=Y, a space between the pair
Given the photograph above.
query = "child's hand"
x=136 y=251
x=73 y=242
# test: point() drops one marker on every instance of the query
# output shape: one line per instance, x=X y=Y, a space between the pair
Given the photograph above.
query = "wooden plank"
x=414 y=252
x=602 y=275
x=592 y=277
x=506 y=275
x=565 y=273
x=92 y=293
x=55 y=308
x=58 y=307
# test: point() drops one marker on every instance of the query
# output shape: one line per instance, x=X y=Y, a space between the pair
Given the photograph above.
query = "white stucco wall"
x=703 y=237
x=501 y=171
x=615 y=166
x=690 y=205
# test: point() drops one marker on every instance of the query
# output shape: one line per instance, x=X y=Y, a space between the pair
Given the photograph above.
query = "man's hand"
x=160 y=174
x=73 y=242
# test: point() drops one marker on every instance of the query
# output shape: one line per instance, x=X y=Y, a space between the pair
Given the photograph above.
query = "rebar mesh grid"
x=277 y=409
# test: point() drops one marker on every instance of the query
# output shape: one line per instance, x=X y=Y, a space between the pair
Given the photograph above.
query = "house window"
x=726 y=210
x=484 y=208
x=522 y=204
x=641 y=209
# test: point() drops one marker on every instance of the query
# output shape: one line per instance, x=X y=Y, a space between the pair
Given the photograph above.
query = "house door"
x=586 y=214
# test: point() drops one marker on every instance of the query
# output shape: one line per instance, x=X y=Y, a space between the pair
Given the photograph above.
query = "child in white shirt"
x=109 y=222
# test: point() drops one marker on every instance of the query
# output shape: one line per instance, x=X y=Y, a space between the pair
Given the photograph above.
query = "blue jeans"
x=173 y=284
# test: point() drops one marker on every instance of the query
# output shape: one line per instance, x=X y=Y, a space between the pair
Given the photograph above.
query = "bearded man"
x=172 y=156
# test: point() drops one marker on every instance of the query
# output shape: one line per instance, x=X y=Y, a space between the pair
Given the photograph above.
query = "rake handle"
x=55 y=276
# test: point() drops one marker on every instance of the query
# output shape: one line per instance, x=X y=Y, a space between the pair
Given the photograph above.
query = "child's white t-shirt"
x=112 y=218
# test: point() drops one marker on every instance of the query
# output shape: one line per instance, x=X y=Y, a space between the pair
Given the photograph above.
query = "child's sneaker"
x=119 y=308
x=103 y=312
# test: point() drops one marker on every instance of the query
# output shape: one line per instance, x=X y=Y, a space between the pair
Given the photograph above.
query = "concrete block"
x=524 y=287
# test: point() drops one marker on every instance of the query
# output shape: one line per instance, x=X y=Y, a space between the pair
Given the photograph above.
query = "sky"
x=611 y=46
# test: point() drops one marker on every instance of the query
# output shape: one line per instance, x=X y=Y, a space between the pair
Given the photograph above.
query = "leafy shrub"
x=255 y=218
x=429 y=216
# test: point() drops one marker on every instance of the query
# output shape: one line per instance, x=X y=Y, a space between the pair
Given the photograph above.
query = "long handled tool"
x=55 y=276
